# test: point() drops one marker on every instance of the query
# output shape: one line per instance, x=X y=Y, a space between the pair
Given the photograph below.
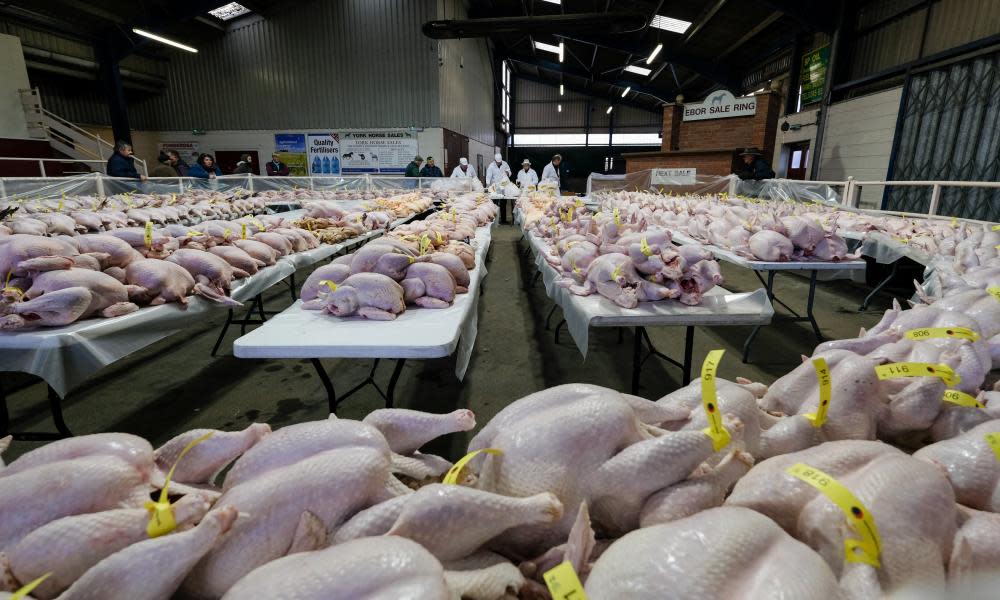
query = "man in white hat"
x=526 y=176
x=497 y=171
x=464 y=170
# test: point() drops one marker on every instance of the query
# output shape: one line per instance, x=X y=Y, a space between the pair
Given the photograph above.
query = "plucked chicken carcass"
x=16 y=252
x=368 y=295
x=726 y=552
x=970 y=464
x=154 y=282
x=107 y=297
x=911 y=502
x=976 y=549
x=209 y=271
x=204 y=461
x=586 y=443
x=428 y=285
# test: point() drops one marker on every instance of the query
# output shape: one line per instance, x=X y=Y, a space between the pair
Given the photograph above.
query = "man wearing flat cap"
x=754 y=166
x=413 y=169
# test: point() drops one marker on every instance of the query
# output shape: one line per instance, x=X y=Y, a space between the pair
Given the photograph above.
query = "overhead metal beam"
x=568 y=70
x=751 y=34
x=813 y=15
x=623 y=22
x=570 y=87
x=703 y=20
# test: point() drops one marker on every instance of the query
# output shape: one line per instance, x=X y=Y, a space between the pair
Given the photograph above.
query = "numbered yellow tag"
x=161 y=513
x=962 y=399
x=563 y=582
x=425 y=244
x=618 y=217
x=918 y=369
x=993 y=439
x=451 y=477
x=329 y=284
x=440 y=240
x=865 y=550
x=147 y=234
x=194 y=233
x=954 y=222
x=243 y=231
x=709 y=400
x=59 y=207
x=928 y=333
x=644 y=247
x=173 y=198
x=994 y=291
x=23 y=592
x=996 y=228
x=823 y=376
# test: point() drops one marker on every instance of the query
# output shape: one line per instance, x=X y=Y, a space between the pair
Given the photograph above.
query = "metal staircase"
x=65 y=137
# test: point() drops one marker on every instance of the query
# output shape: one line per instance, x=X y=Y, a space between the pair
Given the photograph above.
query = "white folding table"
x=417 y=333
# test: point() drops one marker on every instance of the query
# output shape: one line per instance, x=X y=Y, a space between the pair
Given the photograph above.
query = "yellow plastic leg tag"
x=993 y=439
x=994 y=291
x=644 y=247
x=27 y=589
x=718 y=434
x=618 y=217
x=961 y=399
x=329 y=284
x=161 y=513
x=425 y=244
x=928 y=333
x=451 y=477
x=563 y=583
x=996 y=228
x=918 y=369
x=147 y=234
x=823 y=375
x=243 y=231
x=868 y=548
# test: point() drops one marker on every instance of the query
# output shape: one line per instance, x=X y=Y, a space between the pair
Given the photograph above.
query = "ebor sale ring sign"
x=719 y=105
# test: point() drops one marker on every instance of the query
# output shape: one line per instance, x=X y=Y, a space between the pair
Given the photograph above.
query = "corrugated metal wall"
x=350 y=63
x=465 y=81
x=536 y=112
x=950 y=23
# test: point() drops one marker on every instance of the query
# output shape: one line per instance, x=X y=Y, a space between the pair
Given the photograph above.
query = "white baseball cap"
x=463 y=161
x=497 y=157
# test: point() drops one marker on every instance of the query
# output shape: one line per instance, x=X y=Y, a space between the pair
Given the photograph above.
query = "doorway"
x=227 y=159
x=456 y=146
x=798 y=160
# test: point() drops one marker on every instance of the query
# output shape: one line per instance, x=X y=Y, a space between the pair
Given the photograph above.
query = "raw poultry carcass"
x=58 y=224
x=278 y=242
x=258 y=250
x=376 y=568
x=108 y=297
x=586 y=443
x=126 y=575
x=333 y=272
x=368 y=295
x=456 y=266
x=69 y=546
x=976 y=549
x=160 y=247
x=612 y=276
x=239 y=259
x=154 y=282
x=17 y=249
x=208 y=270
x=982 y=307
x=114 y=252
x=910 y=501
x=726 y=552
x=428 y=285
x=771 y=246
x=971 y=465
x=203 y=462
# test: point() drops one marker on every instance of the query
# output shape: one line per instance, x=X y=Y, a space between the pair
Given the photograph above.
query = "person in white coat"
x=526 y=176
x=551 y=170
x=464 y=170
x=497 y=171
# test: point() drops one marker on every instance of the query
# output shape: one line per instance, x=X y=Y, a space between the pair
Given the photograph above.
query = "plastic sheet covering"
x=23 y=188
x=718 y=307
x=66 y=356
x=416 y=333
x=643 y=181
x=886 y=250
x=788 y=190
x=598 y=181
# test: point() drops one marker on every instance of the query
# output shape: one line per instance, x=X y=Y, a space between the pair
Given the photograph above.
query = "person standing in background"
x=551 y=170
x=178 y=163
x=526 y=176
x=205 y=168
x=754 y=165
x=464 y=170
x=413 y=169
x=164 y=169
x=497 y=171
x=276 y=168
x=121 y=163
x=430 y=169
x=244 y=166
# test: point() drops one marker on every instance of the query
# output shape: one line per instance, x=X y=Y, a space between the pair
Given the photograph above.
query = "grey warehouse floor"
x=175 y=385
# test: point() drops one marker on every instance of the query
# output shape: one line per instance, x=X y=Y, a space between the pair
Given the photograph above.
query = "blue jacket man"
x=430 y=169
x=121 y=163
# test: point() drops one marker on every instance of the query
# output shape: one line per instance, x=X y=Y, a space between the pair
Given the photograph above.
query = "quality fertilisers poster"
x=386 y=152
x=323 y=154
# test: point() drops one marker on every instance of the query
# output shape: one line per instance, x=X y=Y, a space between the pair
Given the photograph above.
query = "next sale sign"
x=720 y=105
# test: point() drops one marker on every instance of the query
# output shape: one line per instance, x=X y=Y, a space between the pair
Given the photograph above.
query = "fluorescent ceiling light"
x=653 y=54
x=627 y=90
x=559 y=107
x=561 y=91
x=164 y=40
x=229 y=11
x=609 y=110
x=553 y=1
x=668 y=24
x=550 y=48
x=560 y=51
x=638 y=70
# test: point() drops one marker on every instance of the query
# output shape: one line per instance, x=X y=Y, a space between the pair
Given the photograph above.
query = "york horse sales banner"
x=377 y=151
x=323 y=154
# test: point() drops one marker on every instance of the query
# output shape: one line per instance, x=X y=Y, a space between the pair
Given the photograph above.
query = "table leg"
x=558 y=327
x=534 y=280
x=748 y=342
x=688 y=353
x=549 y=316
x=246 y=317
x=331 y=394
x=222 y=334
x=636 y=359
x=809 y=305
x=291 y=287
x=393 y=380
x=878 y=288
x=4 y=413
x=55 y=403
x=260 y=309
x=621 y=334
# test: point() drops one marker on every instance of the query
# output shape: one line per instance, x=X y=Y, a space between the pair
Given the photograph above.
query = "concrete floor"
x=175 y=385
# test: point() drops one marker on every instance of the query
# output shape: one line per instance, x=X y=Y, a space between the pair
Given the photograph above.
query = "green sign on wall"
x=813 y=74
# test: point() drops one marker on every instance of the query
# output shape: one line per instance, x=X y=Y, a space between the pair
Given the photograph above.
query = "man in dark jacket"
x=276 y=168
x=754 y=165
x=121 y=163
x=413 y=169
x=178 y=163
x=430 y=169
